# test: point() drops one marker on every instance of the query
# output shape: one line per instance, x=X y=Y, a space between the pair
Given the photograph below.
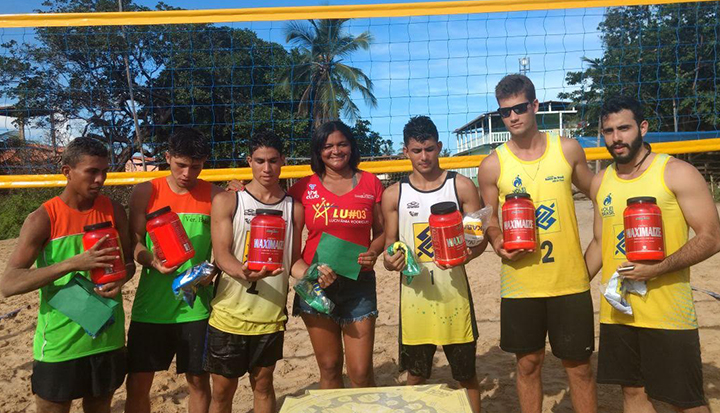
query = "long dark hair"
x=319 y=138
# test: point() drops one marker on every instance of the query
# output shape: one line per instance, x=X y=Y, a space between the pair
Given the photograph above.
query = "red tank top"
x=347 y=217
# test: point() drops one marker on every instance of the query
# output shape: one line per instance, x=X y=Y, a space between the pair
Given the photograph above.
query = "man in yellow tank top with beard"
x=545 y=291
x=655 y=352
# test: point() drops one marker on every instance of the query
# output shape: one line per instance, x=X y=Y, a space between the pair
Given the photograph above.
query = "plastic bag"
x=475 y=224
x=185 y=285
x=310 y=291
x=618 y=287
x=412 y=268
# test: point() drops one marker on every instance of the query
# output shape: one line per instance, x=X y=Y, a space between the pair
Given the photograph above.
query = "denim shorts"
x=355 y=300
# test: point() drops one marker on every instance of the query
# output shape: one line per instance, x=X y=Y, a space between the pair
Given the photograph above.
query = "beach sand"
x=298 y=370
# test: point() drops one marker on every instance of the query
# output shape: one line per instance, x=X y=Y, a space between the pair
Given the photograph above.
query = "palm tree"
x=321 y=78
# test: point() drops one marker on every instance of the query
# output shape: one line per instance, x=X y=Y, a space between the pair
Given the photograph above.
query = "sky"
x=442 y=66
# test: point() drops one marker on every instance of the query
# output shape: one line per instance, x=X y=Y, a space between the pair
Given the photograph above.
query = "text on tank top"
x=436 y=308
x=669 y=301
x=241 y=307
x=57 y=338
x=557 y=266
x=154 y=300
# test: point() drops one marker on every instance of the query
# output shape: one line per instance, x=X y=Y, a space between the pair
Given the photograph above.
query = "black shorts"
x=666 y=362
x=418 y=359
x=567 y=320
x=151 y=347
x=97 y=375
x=233 y=355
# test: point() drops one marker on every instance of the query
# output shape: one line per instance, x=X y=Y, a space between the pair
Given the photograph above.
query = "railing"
x=472 y=141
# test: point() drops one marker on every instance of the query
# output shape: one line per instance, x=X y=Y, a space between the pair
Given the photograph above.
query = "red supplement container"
x=447 y=234
x=93 y=234
x=267 y=240
x=643 y=230
x=518 y=215
x=172 y=245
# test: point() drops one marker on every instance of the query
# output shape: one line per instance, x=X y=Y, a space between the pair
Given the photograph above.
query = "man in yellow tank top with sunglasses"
x=655 y=352
x=545 y=291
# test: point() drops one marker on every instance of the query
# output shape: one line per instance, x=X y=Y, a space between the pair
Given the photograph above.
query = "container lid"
x=518 y=195
x=639 y=199
x=93 y=227
x=268 y=212
x=442 y=208
x=157 y=213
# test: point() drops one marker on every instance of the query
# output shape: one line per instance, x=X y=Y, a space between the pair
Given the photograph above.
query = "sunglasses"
x=519 y=109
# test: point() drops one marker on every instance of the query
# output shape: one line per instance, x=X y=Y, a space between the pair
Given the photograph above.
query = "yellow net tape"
x=298 y=171
x=305 y=12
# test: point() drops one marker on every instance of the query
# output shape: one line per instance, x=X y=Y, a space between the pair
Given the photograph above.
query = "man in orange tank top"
x=161 y=327
x=653 y=353
x=529 y=318
x=69 y=363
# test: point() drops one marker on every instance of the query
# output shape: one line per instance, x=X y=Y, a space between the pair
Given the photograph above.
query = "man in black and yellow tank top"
x=545 y=291
x=655 y=351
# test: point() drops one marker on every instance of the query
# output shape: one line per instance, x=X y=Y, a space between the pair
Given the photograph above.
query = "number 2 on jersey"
x=547 y=258
x=253 y=288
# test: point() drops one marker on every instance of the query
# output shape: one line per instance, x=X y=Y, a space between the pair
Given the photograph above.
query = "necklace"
x=530 y=175
x=644 y=157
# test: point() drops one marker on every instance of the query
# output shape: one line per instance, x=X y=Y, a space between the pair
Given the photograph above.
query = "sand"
x=298 y=370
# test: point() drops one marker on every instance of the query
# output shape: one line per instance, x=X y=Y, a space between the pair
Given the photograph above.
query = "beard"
x=633 y=149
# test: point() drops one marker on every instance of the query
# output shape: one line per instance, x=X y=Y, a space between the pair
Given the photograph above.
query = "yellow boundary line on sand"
x=306 y=12
x=299 y=171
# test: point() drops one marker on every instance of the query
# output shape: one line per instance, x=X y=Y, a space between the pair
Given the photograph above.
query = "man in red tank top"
x=69 y=363
x=161 y=327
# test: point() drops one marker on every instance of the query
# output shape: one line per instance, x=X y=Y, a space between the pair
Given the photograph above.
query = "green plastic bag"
x=310 y=291
x=412 y=268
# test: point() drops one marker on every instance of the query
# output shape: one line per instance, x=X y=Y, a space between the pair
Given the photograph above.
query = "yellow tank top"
x=557 y=266
x=669 y=301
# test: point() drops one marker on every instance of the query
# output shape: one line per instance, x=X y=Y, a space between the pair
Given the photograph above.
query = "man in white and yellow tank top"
x=247 y=324
x=545 y=291
x=656 y=351
x=436 y=309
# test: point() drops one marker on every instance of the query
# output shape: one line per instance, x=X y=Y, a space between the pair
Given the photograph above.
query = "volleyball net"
x=130 y=78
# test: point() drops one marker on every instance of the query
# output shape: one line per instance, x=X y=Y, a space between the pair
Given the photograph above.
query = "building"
x=487 y=131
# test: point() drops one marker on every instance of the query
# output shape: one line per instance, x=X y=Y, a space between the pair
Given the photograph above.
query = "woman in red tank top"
x=343 y=201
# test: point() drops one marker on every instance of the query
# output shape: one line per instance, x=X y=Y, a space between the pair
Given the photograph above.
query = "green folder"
x=340 y=255
x=78 y=301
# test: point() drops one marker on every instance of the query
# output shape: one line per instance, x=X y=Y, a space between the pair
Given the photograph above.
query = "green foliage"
x=664 y=55
x=218 y=79
x=319 y=80
x=370 y=142
x=16 y=204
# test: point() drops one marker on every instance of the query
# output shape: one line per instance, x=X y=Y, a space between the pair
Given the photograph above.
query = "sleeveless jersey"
x=240 y=307
x=436 y=308
x=154 y=299
x=669 y=300
x=557 y=266
x=57 y=338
